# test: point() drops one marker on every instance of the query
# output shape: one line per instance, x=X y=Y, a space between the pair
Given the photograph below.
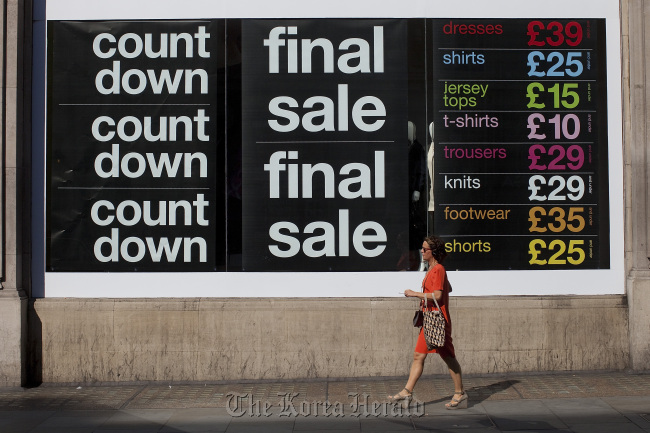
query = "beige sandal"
x=458 y=403
x=399 y=396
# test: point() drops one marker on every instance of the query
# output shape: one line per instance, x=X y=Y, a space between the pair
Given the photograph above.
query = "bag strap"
x=433 y=296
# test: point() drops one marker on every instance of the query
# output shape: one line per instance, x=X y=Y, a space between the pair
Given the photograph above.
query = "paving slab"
x=310 y=424
x=591 y=410
x=129 y=430
x=196 y=420
x=22 y=421
x=522 y=415
x=70 y=419
x=49 y=429
x=261 y=426
x=145 y=419
x=386 y=425
x=629 y=404
x=460 y=421
x=335 y=430
x=516 y=408
x=640 y=420
x=607 y=428
x=537 y=431
x=65 y=397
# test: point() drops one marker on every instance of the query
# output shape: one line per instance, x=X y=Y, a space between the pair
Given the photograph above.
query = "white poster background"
x=358 y=284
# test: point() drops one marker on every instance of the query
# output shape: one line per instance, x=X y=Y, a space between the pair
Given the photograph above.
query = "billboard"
x=239 y=155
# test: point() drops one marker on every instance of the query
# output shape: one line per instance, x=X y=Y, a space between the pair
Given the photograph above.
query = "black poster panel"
x=521 y=143
x=324 y=144
x=133 y=153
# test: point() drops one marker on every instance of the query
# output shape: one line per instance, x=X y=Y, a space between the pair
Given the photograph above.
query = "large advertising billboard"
x=231 y=154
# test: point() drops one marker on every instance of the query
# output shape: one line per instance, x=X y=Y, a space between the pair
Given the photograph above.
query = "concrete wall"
x=102 y=340
x=635 y=31
x=14 y=266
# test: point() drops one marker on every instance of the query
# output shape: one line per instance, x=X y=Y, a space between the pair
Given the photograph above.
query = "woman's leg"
x=456 y=375
x=416 y=369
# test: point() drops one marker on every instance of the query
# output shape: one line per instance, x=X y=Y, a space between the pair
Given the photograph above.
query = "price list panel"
x=520 y=173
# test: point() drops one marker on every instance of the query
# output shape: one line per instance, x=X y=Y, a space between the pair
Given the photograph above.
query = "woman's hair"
x=437 y=248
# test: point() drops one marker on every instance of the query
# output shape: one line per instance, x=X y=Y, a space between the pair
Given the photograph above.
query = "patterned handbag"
x=434 y=327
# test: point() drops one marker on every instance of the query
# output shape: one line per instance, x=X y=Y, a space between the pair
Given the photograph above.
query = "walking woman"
x=435 y=284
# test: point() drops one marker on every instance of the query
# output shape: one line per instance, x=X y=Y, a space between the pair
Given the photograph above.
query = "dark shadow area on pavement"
x=478 y=394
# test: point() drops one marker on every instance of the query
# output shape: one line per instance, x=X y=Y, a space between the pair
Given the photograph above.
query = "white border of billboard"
x=360 y=284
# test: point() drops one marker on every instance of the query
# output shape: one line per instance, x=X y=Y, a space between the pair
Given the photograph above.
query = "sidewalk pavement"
x=615 y=402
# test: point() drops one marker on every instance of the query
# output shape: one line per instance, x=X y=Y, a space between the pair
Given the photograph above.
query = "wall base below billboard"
x=210 y=339
x=638 y=287
x=13 y=338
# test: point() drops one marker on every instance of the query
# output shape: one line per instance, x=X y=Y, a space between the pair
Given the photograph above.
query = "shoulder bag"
x=434 y=326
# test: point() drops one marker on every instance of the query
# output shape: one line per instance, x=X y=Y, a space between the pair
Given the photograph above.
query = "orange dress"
x=436 y=279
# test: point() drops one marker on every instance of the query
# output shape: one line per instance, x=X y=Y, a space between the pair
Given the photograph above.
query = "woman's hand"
x=411 y=294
